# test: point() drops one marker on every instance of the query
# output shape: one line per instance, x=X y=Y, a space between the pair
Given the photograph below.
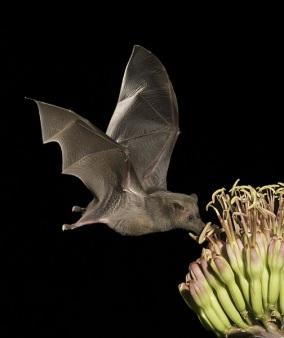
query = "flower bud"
x=222 y=268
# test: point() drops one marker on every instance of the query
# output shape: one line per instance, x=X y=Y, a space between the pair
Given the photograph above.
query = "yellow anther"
x=217 y=192
x=235 y=186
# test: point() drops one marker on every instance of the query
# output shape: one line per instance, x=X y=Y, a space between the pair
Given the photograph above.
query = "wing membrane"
x=146 y=118
x=87 y=152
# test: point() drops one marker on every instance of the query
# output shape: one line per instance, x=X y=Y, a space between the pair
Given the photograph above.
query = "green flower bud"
x=223 y=270
x=275 y=263
x=198 y=274
x=254 y=271
x=237 y=264
x=222 y=295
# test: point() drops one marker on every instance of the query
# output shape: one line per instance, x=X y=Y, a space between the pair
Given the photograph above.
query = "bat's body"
x=126 y=168
x=134 y=214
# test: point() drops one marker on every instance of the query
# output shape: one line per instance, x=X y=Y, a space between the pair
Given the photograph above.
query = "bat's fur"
x=126 y=168
x=160 y=211
x=135 y=214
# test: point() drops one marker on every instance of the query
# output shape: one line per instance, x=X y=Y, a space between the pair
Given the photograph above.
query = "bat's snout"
x=198 y=226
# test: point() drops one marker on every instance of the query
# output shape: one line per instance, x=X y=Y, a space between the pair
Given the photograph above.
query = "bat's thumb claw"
x=75 y=208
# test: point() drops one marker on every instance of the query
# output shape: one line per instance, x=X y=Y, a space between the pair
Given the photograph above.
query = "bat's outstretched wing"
x=87 y=152
x=146 y=118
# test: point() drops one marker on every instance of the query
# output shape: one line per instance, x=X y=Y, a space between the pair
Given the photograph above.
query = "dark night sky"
x=92 y=281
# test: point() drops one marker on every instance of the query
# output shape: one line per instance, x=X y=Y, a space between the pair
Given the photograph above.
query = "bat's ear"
x=195 y=198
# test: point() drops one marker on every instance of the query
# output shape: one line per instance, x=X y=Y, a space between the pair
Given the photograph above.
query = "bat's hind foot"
x=69 y=226
x=76 y=208
x=65 y=227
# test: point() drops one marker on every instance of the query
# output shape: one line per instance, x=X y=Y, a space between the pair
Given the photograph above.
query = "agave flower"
x=236 y=287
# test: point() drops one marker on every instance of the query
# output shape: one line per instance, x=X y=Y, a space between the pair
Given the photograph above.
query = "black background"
x=227 y=75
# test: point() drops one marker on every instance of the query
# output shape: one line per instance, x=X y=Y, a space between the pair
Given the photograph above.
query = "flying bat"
x=126 y=167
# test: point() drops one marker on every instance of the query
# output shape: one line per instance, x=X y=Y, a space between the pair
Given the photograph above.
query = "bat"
x=126 y=167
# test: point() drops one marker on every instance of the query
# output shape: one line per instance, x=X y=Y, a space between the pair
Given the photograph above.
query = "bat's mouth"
x=197 y=226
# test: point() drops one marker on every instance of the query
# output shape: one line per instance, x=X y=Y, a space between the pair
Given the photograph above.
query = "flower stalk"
x=237 y=285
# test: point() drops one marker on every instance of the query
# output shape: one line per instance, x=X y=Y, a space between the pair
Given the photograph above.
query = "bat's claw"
x=76 y=208
x=68 y=226
x=71 y=226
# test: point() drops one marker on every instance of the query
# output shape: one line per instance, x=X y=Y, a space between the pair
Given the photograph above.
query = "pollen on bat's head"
x=236 y=286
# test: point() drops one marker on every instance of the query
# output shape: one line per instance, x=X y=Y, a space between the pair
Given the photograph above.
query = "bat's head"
x=184 y=212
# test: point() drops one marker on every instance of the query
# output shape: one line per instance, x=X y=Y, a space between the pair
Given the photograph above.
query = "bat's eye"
x=178 y=206
x=190 y=217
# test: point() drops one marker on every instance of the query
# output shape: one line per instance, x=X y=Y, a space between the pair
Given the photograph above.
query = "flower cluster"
x=237 y=285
